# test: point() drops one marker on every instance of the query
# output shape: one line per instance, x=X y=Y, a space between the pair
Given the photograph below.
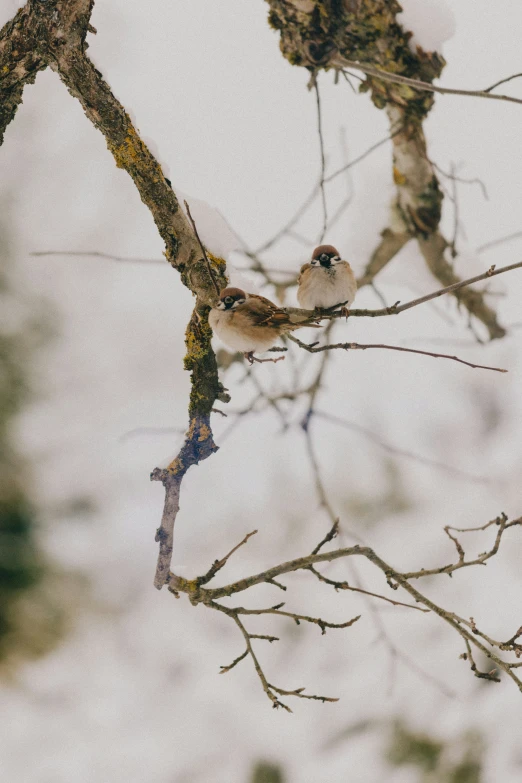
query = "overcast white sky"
x=134 y=694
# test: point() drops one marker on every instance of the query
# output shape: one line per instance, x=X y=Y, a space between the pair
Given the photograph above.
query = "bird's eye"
x=228 y=300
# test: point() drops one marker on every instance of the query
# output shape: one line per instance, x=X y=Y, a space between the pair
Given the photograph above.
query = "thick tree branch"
x=22 y=55
x=54 y=33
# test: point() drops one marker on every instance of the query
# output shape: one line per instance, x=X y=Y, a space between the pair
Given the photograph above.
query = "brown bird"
x=249 y=322
x=326 y=281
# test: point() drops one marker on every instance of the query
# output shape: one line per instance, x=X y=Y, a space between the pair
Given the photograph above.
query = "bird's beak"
x=325 y=262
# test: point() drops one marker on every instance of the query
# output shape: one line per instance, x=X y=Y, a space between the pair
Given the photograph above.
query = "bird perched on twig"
x=326 y=281
x=249 y=322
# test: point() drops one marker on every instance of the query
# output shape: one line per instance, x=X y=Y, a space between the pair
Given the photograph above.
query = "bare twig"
x=210 y=270
x=501 y=522
x=323 y=160
x=332 y=533
x=500 y=241
x=314 y=348
x=417 y=84
x=503 y=81
x=293 y=220
x=345 y=586
x=465 y=180
x=468 y=655
x=372 y=436
x=396 y=654
x=225 y=669
x=99 y=254
x=270 y=689
x=298 y=618
x=491 y=272
x=363 y=155
x=217 y=565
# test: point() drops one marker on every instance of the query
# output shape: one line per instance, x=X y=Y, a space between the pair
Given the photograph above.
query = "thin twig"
x=217 y=565
x=464 y=180
x=298 y=618
x=503 y=81
x=323 y=161
x=468 y=656
x=345 y=586
x=372 y=436
x=225 y=669
x=332 y=533
x=99 y=254
x=363 y=155
x=500 y=241
x=313 y=348
x=210 y=270
x=293 y=220
x=501 y=522
x=417 y=84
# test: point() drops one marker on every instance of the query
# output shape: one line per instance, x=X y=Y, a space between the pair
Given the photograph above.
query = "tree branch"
x=395 y=579
x=314 y=348
x=397 y=308
x=417 y=84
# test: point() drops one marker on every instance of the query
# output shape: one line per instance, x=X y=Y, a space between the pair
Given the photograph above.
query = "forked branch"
x=473 y=637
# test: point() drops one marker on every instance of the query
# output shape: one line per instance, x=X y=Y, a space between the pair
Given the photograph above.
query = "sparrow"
x=326 y=281
x=249 y=322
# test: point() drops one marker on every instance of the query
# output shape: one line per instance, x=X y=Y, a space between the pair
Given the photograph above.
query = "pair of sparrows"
x=251 y=323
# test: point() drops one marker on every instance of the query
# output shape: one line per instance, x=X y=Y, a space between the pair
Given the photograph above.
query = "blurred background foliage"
x=426 y=757
x=35 y=593
x=458 y=760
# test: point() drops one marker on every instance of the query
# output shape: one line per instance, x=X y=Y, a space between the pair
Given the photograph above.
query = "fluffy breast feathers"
x=326 y=287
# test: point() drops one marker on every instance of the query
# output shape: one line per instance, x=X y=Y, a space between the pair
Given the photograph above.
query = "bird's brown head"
x=229 y=298
x=325 y=255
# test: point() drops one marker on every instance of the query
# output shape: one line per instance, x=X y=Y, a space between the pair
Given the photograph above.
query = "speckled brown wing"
x=263 y=312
